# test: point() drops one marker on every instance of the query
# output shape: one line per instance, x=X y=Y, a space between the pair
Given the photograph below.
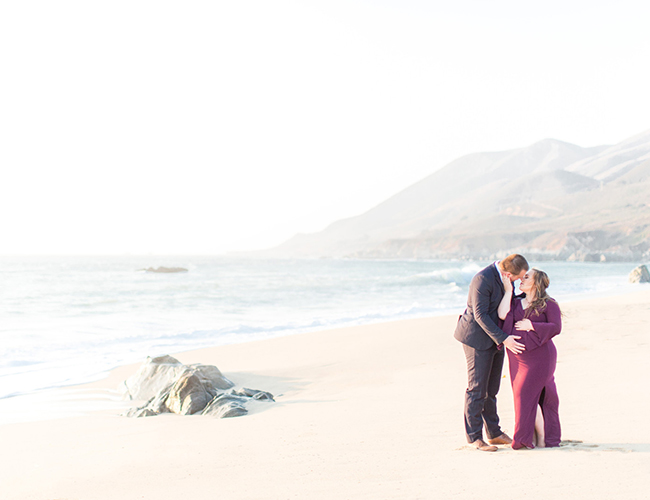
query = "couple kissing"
x=495 y=320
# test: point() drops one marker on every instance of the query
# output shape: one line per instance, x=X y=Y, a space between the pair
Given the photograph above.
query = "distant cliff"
x=551 y=201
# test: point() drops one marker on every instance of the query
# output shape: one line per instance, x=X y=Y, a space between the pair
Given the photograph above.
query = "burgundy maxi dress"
x=532 y=374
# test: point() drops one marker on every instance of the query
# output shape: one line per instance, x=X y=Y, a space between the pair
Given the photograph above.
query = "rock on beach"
x=169 y=386
x=639 y=275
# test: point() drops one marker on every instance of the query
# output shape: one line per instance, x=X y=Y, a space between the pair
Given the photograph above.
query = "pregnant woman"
x=535 y=317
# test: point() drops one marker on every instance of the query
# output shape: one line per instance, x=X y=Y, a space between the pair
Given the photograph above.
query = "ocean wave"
x=17 y=363
x=22 y=376
x=265 y=330
x=460 y=276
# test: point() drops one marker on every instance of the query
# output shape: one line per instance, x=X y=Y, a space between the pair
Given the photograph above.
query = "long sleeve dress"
x=532 y=373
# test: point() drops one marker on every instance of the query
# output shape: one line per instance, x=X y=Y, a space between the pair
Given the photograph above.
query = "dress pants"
x=483 y=380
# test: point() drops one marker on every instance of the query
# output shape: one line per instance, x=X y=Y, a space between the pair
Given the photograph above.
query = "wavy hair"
x=541 y=282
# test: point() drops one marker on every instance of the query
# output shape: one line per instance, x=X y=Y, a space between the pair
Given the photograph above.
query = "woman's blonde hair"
x=541 y=282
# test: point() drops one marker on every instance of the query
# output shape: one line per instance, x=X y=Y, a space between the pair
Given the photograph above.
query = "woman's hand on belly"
x=525 y=325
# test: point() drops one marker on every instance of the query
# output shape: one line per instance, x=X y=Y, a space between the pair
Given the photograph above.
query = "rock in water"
x=640 y=275
x=163 y=269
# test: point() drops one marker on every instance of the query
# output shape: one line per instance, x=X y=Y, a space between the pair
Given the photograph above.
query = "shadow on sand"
x=575 y=445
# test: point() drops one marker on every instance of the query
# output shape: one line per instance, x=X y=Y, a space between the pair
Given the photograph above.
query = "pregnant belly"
x=539 y=362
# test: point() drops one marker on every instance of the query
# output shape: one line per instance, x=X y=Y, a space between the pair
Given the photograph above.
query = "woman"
x=535 y=317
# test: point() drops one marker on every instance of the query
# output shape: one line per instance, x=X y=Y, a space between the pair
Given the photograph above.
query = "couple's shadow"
x=577 y=445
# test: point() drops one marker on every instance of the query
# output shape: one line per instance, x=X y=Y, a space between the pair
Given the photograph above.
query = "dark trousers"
x=483 y=380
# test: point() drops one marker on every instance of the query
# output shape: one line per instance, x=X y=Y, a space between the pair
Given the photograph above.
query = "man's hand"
x=507 y=284
x=514 y=346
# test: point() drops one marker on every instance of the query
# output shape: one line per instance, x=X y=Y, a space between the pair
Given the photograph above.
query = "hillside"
x=551 y=200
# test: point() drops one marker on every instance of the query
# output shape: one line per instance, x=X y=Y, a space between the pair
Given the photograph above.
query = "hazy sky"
x=209 y=126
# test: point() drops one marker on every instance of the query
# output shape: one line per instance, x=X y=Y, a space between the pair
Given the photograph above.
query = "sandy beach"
x=369 y=412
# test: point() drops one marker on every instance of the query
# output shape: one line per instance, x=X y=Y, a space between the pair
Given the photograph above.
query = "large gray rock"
x=159 y=374
x=169 y=386
x=190 y=394
x=212 y=374
x=155 y=375
x=640 y=275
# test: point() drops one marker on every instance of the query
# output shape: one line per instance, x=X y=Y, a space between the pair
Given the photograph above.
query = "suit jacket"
x=478 y=325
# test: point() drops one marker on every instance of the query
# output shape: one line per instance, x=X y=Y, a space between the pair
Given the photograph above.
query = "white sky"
x=211 y=126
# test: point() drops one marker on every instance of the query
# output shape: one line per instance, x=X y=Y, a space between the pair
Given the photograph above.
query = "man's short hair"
x=514 y=264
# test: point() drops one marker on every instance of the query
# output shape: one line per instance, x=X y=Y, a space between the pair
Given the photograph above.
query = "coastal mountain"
x=550 y=200
x=616 y=161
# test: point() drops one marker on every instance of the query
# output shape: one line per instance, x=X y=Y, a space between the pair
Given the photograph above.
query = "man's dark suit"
x=477 y=329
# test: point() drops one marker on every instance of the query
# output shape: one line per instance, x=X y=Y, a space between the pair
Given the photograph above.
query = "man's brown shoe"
x=481 y=445
x=502 y=439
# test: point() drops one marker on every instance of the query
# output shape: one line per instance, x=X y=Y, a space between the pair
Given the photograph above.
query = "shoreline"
x=68 y=400
x=129 y=317
x=622 y=289
x=372 y=411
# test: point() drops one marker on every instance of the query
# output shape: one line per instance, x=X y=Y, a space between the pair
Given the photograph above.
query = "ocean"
x=69 y=320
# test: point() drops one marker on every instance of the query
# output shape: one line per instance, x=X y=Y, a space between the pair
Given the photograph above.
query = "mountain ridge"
x=551 y=200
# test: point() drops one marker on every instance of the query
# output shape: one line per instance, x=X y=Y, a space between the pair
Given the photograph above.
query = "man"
x=483 y=343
